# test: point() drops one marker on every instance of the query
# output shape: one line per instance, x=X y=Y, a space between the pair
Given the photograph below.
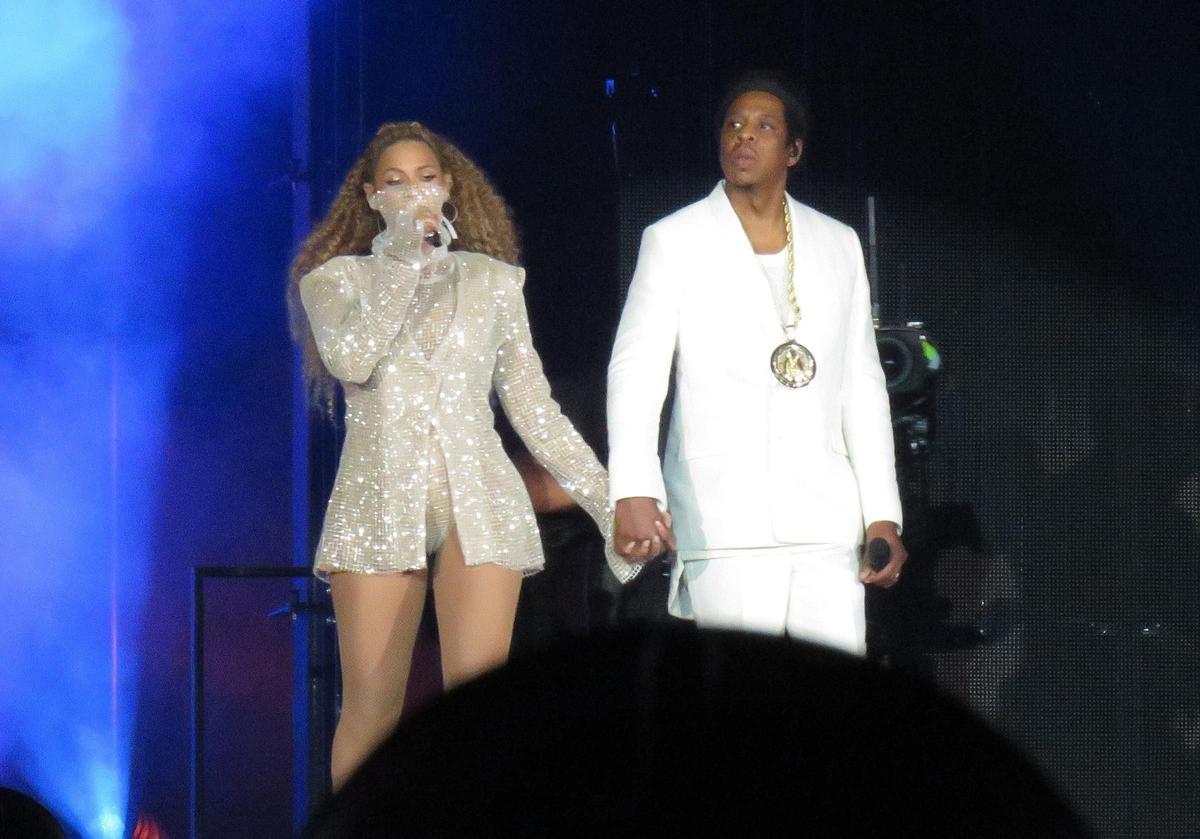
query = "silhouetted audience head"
x=23 y=817
x=698 y=734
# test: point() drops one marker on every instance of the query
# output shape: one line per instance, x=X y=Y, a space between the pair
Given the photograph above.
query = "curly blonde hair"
x=484 y=225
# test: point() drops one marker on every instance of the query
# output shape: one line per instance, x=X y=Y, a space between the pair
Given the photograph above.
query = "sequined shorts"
x=437 y=500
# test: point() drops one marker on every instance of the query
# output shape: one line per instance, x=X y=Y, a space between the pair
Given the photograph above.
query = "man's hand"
x=888 y=575
x=640 y=531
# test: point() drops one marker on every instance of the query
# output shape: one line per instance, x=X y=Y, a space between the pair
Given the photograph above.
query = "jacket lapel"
x=743 y=278
x=820 y=287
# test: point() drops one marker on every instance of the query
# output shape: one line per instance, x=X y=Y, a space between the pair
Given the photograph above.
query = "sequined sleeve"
x=536 y=417
x=356 y=306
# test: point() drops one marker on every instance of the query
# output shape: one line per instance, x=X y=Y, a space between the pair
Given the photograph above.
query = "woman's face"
x=407 y=163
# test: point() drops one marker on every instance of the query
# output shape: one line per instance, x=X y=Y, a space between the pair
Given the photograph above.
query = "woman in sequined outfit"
x=418 y=328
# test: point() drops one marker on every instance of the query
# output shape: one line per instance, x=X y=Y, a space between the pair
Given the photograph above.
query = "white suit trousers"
x=808 y=592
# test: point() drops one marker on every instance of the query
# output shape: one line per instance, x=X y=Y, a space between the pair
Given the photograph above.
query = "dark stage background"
x=1030 y=168
x=1034 y=166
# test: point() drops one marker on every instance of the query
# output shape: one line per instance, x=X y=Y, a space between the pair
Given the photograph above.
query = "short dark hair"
x=791 y=94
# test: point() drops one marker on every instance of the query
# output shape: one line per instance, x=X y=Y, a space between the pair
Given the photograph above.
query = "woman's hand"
x=407 y=240
x=411 y=214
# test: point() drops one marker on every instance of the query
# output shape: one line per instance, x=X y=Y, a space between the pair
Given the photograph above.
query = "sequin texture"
x=418 y=358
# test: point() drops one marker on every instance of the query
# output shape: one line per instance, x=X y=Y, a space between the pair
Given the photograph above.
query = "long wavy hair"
x=484 y=225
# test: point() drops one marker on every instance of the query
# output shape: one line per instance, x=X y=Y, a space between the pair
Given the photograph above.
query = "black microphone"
x=434 y=239
x=878 y=553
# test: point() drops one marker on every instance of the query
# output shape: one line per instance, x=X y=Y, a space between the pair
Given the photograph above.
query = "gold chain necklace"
x=791 y=362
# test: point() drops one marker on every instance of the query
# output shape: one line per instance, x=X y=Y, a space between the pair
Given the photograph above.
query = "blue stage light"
x=116 y=121
x=110 y=824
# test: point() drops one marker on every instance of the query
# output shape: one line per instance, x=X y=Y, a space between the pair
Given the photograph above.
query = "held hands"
x=888 y=575
x=640 y=531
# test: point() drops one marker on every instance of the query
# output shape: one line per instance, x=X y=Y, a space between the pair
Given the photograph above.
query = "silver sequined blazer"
x=396 y=399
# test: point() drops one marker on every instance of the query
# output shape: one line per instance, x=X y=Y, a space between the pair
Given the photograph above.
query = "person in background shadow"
x=575 y=595
x=1114 y=522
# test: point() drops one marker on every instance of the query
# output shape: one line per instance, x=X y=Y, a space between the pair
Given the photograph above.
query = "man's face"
x=754 y=146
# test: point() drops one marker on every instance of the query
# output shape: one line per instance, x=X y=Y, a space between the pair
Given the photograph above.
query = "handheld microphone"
x=434 y=238
x=878 y=553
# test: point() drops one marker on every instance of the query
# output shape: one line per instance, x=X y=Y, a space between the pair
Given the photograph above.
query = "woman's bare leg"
x=377 y=620
x=476 y=606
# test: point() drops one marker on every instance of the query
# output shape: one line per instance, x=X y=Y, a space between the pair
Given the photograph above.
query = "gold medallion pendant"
x=792 y=364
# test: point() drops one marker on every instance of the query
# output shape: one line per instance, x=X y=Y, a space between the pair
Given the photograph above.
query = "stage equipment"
x=910 y=360
x=314 y=684
x=910 y=365
x=900 y=621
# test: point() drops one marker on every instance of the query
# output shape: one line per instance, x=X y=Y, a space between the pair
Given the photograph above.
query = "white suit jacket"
x=750 y=462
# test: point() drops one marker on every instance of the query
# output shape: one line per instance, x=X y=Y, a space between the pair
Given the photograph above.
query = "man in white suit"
x=779 y=456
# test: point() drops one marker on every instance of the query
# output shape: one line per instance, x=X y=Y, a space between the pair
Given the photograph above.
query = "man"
x=779 y=455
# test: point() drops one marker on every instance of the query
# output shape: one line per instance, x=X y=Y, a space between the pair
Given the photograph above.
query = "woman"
x=418 y=335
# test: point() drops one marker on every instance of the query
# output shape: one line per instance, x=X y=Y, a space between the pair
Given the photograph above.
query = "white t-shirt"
x=774 y=265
